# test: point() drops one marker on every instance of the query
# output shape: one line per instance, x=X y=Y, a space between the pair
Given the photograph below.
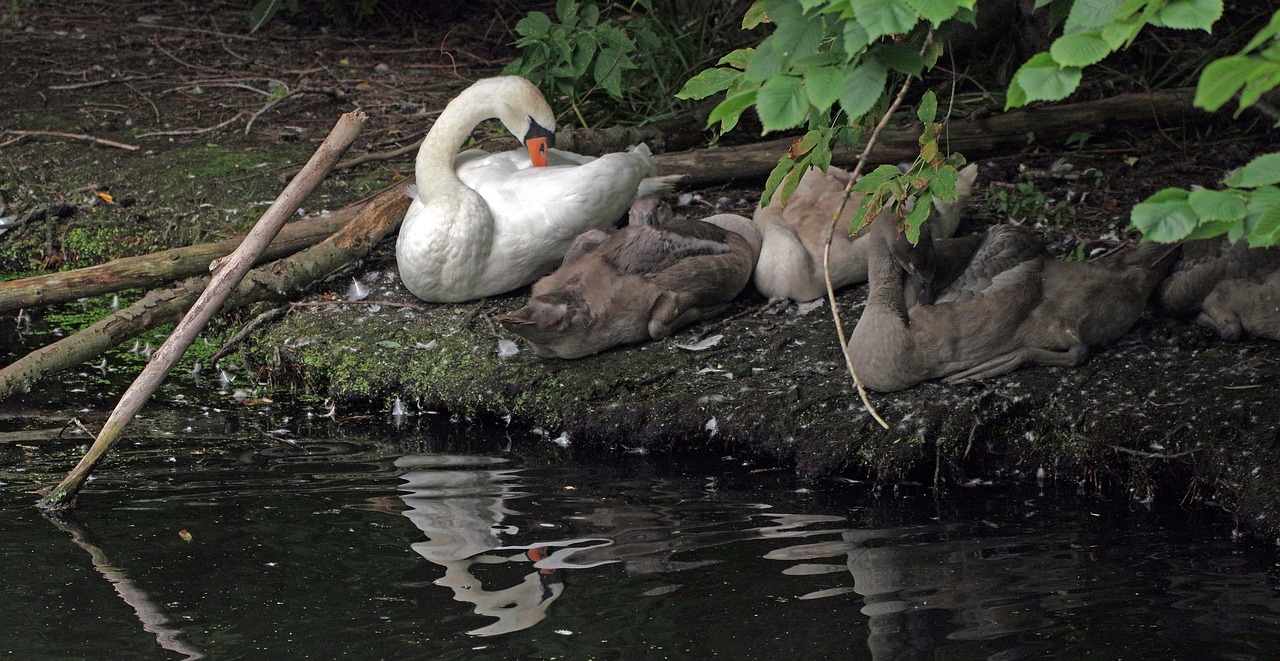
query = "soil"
x=1168 y=414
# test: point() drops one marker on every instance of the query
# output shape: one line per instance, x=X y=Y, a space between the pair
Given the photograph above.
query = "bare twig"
x=1151 y=455
x=96 y=83
x=390 y=304
x=74 y=136
x=243 y=333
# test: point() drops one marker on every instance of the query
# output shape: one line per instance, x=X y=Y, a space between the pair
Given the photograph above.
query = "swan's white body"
x=484 y=224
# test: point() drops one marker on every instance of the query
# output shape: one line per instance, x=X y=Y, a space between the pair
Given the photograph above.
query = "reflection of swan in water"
x=922 y=585
x=151 y=614
x=460 y=504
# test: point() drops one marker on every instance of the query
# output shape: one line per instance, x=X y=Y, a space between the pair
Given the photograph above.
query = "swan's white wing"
x=556 y=203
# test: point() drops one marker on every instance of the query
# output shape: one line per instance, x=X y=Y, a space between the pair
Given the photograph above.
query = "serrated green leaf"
x=590 y=15
x=608 y=70
x=1261 y=171
x=1164 y=221
x=1217 y=206
x=792 y=180
x=708 y=82
x=536 y=24
x=1042 y=79
x=882 y=17
x=1259 y=201
x=1190 y=14
x=782 y=169
x=927 y=110
x=943 y=183
x=822 y=85
x=729 y=110
x=1120 y=33
x=1221 y=80
x=1212 y=228
x=1087 y=15
x=876 y=178
x=763 y=63
x=863 y=87
x=1079 y=50
x=1266 y=226
x=855 y=39
x=1169 y=195
x=935 y=11
x=781 y=103
x=796 y=37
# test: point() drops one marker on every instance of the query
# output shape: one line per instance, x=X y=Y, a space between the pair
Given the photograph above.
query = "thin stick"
x=826 y=249
x=223 y=282
x=74 y=136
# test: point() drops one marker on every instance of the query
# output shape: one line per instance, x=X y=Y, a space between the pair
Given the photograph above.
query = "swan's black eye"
x=536 y=130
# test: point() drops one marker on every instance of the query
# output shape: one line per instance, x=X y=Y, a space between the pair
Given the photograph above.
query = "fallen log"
x=150 y=270
x=973 y=137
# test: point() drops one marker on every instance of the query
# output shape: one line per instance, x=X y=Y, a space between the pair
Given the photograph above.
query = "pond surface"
x=204 y=538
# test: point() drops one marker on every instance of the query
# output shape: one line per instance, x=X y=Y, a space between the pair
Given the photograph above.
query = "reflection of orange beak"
x=537 y=151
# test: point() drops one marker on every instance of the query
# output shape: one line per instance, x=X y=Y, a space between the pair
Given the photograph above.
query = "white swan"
x=483 y=224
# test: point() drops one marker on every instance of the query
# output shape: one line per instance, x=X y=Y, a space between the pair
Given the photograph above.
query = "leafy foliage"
x=825 y=66
x=613 y=62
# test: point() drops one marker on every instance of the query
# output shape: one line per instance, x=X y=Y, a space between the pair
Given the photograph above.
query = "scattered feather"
x=358 y=291
x=507 y=348
x=703 y=344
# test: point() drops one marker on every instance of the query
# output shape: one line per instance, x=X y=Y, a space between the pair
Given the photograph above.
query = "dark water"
x=447 y=542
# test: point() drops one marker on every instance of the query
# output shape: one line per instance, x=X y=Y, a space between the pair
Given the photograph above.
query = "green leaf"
x=567 y=11
x=731 y=109
x=1260 y=201
x=708 y=82
x=1079 y=50
x=792 y=180
x=855 y=39
x=591 y=15
x=822 y=85
x=738 y=58
x=1207 y=229
x=1041 y=79
x=797 y=35
x=782 y=169
x=782 y=103
x=1221 y=80
x=901 y=59
x=1265 y=77
x=1121 y=33
x=943 y=183
x=608 y=71
x=881 y=17
x=1266 y=33
x=763 y=63
x=1169 y=195
x=1087 y=15
x=388 y=344
x=755 y=15
x=1261 y=171
x=1217 y=206
x=1266 y=229
x=863 y=87
x=916 y=217
x=928 y=108
x=935 y=11
x=1190 y=14
x=1164 y=221
x=876 y=177
x=536 y=24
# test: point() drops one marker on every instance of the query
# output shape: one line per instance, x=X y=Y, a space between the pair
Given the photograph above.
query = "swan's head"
x=525 y=113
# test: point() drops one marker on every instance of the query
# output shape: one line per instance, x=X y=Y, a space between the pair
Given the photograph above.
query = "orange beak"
x=537 y=151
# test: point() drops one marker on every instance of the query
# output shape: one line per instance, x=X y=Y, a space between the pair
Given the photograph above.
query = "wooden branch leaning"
x=220 y=286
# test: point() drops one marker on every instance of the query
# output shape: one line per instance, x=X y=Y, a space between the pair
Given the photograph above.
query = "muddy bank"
x=1168 y=414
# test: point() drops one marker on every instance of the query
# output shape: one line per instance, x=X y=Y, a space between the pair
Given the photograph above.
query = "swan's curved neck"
x=434 y=165
x=885 y=278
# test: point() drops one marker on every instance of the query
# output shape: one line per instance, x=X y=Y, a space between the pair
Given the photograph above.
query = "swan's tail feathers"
x=655 y=185
x=641 y=149
x=412 y=191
